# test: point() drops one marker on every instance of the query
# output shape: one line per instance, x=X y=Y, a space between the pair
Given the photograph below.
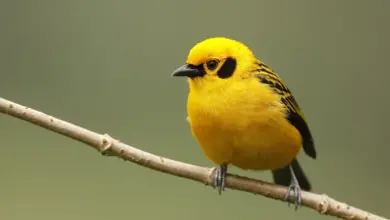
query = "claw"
x=220 y=178
x=296 y=189
x=296 y=195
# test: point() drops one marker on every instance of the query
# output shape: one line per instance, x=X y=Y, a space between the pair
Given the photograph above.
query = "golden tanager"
x=242 y=113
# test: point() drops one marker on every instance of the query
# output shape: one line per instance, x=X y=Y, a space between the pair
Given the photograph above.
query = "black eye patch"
x=227 y=68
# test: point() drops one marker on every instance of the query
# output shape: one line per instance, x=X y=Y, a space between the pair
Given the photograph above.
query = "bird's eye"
x=212 y=64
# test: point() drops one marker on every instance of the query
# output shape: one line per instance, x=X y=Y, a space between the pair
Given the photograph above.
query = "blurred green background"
x=106 y=65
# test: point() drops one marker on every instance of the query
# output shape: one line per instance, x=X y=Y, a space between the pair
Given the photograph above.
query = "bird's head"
x=216 y=61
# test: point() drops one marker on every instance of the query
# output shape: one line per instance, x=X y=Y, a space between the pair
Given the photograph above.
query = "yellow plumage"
x=239 y=110
x=243 y=124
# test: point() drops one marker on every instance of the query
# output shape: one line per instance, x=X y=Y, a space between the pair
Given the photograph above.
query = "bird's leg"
x=295 y=188
x=220 y=174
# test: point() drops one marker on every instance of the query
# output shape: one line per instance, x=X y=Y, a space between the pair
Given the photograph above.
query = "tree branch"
x=109 y=146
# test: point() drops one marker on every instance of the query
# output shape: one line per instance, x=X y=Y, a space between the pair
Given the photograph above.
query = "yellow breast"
x=244 y=124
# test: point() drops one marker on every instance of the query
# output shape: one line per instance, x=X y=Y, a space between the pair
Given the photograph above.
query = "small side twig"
x=109 y=146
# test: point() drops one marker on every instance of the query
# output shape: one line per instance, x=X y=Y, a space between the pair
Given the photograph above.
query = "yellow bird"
x=242 y=113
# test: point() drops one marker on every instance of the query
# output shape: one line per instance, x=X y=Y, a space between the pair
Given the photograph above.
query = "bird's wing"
x=295 y=115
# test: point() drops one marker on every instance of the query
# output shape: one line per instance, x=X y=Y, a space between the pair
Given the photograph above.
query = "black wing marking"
x=295 y=115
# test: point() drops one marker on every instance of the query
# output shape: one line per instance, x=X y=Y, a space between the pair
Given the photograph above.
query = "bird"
x=242 y=114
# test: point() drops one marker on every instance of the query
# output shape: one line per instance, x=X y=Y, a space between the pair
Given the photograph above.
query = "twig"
x=107 y=145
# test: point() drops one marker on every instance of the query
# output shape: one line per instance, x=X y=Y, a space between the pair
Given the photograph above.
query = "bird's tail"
x=282 y=176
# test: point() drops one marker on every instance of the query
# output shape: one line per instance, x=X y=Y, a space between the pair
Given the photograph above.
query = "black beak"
x=189 y=70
